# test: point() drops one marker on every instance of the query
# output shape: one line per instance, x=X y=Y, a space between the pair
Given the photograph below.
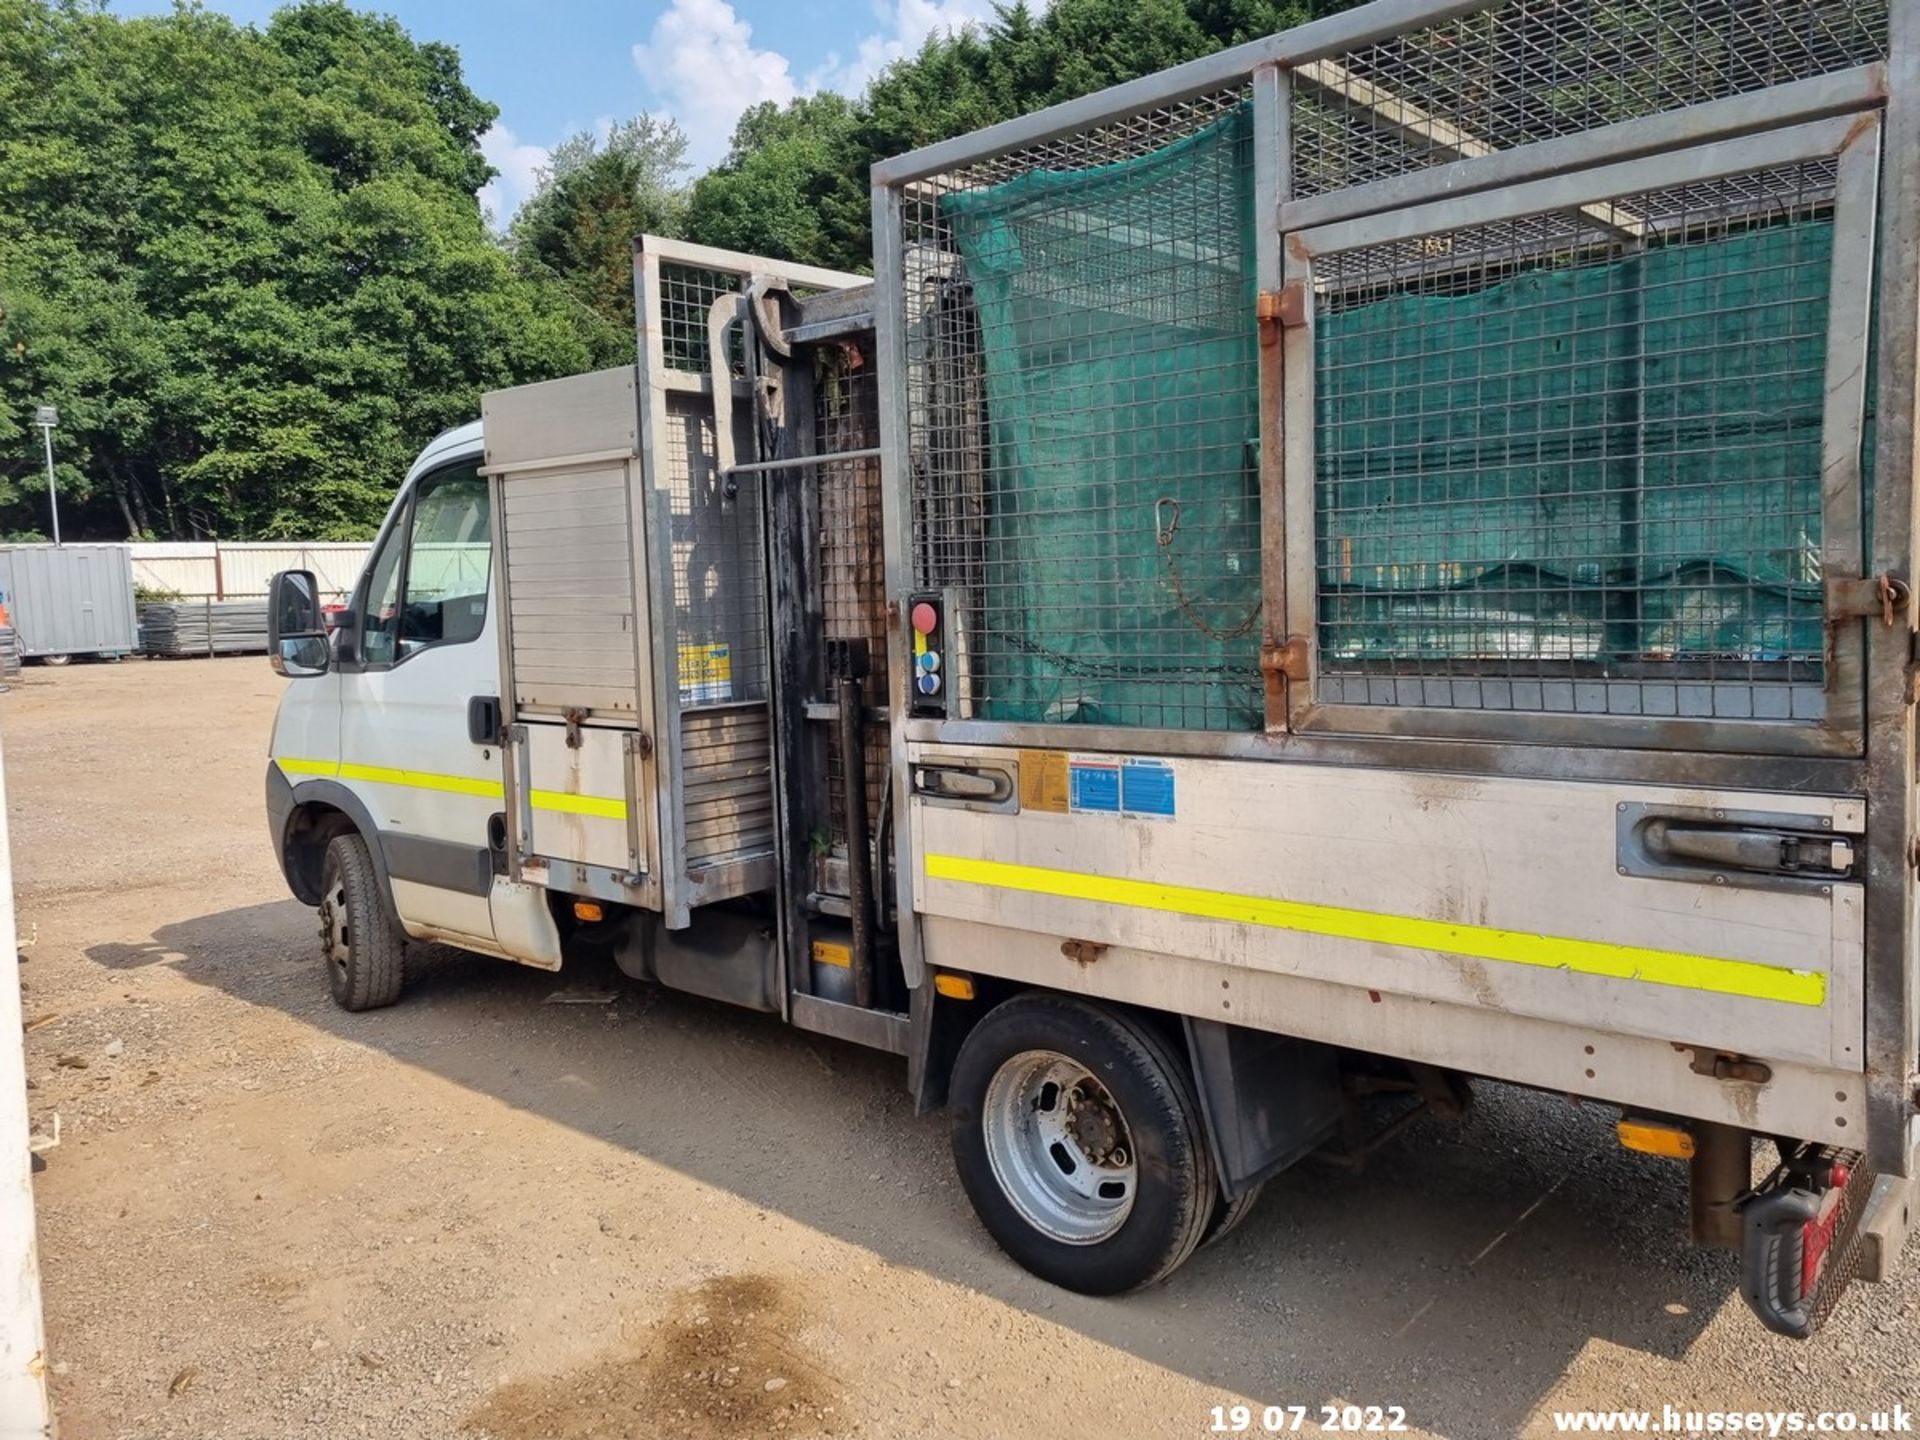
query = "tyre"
x=365 y=948
x=56 y=659
x=1078 y=1139
x=1227 y=1214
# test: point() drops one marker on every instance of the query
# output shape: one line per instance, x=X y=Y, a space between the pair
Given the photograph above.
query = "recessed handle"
x=1756 y=849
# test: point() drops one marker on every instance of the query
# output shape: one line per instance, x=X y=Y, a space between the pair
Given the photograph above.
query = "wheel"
x=364 y=946
x=56 y=659
x=1078 y=1139
x=1227 y=1214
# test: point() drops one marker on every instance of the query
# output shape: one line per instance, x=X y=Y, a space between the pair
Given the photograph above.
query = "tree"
x=593 y=197
x=794 y=183
x=248 y=265
x=791 y=186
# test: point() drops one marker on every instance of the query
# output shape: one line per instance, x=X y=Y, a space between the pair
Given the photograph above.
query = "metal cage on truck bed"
x=1517 y=390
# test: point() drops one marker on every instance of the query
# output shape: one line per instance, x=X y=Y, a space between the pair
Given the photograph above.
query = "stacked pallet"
x=177 y=628
x=9 y=652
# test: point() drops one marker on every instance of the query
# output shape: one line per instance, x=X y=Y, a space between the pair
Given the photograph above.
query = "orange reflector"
x=954 y=987
x=832 y=952
x=589 y=910
x=1654 y=1137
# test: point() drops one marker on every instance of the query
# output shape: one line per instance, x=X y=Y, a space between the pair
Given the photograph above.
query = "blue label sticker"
x=1095 y=786
x=1146 y=787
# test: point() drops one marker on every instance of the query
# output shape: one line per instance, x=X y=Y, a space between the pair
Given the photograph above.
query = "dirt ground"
x=477 y=1214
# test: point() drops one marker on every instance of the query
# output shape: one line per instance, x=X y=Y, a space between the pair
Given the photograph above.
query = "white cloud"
x=906 y=24
x=701 y=61
x=519 y=165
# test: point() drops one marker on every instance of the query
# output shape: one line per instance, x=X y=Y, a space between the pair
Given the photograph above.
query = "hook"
x=1163 y=531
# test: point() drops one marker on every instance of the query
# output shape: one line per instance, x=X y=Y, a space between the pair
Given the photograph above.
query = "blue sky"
x=562 y=66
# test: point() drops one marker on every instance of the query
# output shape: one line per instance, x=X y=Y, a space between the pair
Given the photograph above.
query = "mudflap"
x=1802 y=1238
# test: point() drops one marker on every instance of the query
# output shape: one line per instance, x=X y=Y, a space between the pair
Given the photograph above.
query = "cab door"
x=423 y=645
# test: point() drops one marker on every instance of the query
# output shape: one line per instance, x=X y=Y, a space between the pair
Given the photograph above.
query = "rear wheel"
x=364 y=946
x=1078 y=1139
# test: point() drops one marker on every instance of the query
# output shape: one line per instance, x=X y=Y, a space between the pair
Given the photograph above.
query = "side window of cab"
x=427 y=584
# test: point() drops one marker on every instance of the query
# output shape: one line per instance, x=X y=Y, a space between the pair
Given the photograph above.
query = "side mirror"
x=296 y=636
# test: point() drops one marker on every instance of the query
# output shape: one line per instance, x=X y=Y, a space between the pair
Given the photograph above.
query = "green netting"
x=1599 y=462
x=1119 y=578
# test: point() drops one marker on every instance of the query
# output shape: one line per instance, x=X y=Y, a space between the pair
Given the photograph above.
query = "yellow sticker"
x=706 y=674
x=1043 y=781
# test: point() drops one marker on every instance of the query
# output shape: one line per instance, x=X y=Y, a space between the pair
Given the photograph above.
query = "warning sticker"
x=706 y=674
x=1043 y=781
x=1146 y=788
x=1094 y=786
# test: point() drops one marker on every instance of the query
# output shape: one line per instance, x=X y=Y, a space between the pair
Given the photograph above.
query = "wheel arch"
x=306 y=818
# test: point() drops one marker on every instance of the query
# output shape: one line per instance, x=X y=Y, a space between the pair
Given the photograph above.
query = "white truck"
x=1374 y=558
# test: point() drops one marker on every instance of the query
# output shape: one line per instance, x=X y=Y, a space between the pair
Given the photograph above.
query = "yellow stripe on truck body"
x=1523 y=897
x=558 y=801
x=1481 y=942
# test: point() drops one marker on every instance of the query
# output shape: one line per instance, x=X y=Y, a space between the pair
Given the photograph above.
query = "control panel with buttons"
x=926 y=622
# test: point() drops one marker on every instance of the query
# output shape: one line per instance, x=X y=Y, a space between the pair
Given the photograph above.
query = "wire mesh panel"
x=1572 y=462
x=686 y=296
x=719 y=571
x=1082 y=419
x=1513 y=73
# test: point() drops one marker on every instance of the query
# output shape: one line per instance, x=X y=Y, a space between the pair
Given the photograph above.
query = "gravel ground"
x=477 y=1215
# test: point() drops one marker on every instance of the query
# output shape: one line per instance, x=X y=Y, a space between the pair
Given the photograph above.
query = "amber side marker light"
x=1654 y=1137
x=954 y=987
x=589 y=910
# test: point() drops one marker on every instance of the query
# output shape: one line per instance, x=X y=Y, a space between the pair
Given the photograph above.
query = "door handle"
x=1734 y=847
x=963 y=785
x=1779 y=852
x=483 y=720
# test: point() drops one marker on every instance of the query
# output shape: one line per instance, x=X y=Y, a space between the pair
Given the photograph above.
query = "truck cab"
x=387 y=740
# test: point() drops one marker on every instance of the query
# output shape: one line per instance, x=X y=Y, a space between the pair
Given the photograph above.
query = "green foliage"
x=794 y=184
x=789 y=187
x=592 y=199
x=249 y=267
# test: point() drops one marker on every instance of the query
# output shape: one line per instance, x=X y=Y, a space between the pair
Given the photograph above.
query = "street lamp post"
x=46 y=417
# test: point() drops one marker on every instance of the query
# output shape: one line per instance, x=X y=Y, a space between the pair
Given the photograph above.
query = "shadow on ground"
x=1462 y=1272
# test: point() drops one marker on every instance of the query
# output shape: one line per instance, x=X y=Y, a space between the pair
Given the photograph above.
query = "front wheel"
x=1078 y=1139
x=365 y=947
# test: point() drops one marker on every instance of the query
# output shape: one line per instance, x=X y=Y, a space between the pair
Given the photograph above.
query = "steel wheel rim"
x=1060 y=1148
x=336 y=934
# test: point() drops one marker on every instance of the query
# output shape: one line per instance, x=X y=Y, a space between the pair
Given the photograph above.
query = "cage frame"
x=660 y=382
x=1876 y=761
x=1853 y=141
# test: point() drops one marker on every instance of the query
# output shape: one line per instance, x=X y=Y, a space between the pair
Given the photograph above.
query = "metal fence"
x=702 y=444
x=1082 y=422
x=1480 y=79
x=220 y=569
x=719 y=568
x=1567 y=406
x=1571 y=462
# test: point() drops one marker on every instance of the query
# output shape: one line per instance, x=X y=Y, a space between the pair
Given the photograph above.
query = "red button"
x=926 y=619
